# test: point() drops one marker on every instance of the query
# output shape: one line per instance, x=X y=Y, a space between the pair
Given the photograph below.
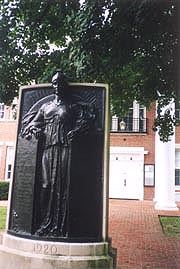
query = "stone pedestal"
x=24 y=253
x=58 y=212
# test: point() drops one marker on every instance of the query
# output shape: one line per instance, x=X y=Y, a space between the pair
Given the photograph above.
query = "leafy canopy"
x=130 y=44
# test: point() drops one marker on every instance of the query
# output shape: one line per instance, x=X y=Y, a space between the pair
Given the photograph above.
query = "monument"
x=58 y=209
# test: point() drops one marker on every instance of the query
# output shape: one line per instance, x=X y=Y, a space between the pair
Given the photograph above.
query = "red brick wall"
x=8 y=130
x=148 y=193
x=7 y=137
x=178 y=135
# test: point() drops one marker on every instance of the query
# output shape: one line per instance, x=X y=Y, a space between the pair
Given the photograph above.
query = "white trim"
x=128 y=134
x=9 y=120
x=10 y=154
x=106 y=164
x=7 y=143
x=114 y=149
x=177 y=146
x=177 y=196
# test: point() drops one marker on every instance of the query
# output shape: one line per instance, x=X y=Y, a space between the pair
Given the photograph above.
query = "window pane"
x=177 y=177
x=149 y=175
x=177 y=114
x=1 y=114
x=9 y=167
x=2 y=108
x=177 y=162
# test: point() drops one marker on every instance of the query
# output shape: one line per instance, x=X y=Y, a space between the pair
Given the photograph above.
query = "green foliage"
x=171 y=226
x=165 y=121
x=4 y=189
x=130 y=44
x=3 y=211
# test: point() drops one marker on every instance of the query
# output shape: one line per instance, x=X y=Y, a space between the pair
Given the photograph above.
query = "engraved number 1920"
x=45 y=249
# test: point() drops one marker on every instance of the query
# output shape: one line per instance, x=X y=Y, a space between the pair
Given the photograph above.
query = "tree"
x=130 y=44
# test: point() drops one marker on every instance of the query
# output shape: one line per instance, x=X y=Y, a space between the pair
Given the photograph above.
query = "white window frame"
x=13 y=108
x=9 y=161
x=136 y=110
x=2 y=111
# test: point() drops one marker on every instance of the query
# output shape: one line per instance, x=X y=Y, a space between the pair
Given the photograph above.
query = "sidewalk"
x=137 y=234
x=3 y=203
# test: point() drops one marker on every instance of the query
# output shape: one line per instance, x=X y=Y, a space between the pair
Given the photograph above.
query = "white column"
x=165 y=173
x=114 y=123
x=135 y=116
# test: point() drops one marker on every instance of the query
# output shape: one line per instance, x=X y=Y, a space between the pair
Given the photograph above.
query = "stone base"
x=165 y=206
x=24 y=253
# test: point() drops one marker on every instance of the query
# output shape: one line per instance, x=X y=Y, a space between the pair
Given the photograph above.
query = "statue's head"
x=59 y=82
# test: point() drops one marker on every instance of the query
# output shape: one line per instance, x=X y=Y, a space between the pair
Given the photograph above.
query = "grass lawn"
x=3 y=210
x=170 y=225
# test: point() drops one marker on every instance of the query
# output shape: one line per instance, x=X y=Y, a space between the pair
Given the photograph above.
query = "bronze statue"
x=55 y=125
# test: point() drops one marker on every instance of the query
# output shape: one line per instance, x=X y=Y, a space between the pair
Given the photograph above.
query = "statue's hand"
x=70 y=135
x=36 y=132
x=26 y=133
x=29 y=131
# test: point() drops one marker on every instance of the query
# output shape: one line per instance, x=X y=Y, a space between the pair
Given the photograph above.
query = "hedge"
x=4 y=189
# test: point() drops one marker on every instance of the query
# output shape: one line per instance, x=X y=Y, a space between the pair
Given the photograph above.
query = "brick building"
x=136 y=168
x=132 y=153
x=7 y=141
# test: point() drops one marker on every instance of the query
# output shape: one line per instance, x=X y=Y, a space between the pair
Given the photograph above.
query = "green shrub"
x=4 y=189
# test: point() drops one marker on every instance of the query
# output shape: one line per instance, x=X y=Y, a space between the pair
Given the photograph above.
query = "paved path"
x=3 y=203
x=137 y=234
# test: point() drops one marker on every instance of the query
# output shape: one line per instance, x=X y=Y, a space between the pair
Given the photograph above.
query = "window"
x=2 y=111
x=13 y=111
x=177 y=167
x=9 y=162
x=177 y=114
x=149 y=175
x=135 y=121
